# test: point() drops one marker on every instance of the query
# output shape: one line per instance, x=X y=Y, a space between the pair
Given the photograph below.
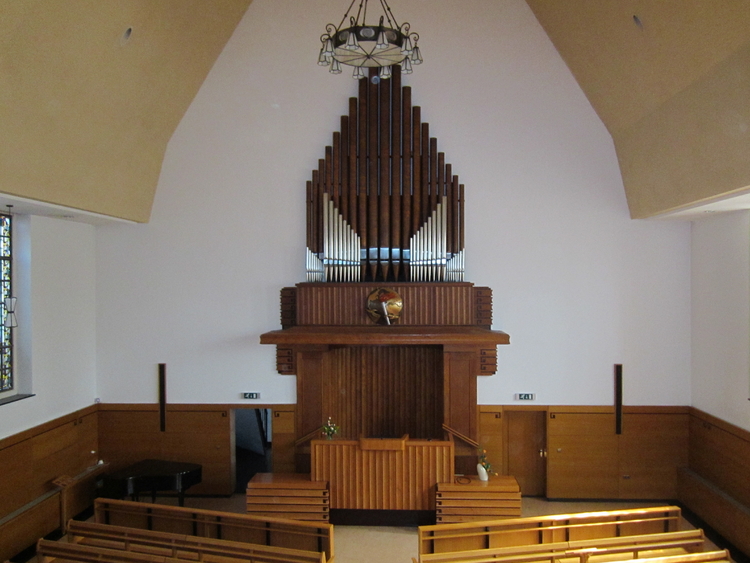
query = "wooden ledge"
x=385 y=335
x=392 y=444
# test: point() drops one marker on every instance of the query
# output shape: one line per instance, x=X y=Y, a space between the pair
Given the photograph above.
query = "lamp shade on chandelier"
x=363 y=45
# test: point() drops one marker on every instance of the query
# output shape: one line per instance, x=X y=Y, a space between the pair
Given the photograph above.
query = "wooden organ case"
x=384 y=210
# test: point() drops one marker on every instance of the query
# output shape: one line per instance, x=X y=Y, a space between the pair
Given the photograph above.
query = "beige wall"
x=87 y=108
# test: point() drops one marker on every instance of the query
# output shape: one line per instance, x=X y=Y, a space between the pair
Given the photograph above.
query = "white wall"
x=57 y=323
x=721 y=316
x=577 y=284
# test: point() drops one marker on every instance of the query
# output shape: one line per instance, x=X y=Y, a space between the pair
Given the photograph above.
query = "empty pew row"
x=63 y=552
x=720 y=556
x=183 y=547
x=245 y=528
x=440 y=538
x=583 y=551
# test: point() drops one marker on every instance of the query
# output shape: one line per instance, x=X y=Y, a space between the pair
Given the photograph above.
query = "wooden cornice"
x=386 y=335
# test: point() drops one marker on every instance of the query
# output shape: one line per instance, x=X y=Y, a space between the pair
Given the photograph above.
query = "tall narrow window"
x=6 y=337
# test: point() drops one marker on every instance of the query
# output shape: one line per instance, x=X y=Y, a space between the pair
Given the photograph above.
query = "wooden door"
x=527 y=447
x=583 y=460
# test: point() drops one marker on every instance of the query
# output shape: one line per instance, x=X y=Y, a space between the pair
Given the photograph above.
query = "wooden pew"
x=721 y=556
x=535 y=530
x=180 y=546
x=48 y=551
x=583 y=551
x=278 y=532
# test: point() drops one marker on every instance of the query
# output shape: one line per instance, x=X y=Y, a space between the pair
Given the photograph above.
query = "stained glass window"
x=6 y=340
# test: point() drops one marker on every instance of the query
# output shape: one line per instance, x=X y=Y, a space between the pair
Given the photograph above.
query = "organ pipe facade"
x=383 y=204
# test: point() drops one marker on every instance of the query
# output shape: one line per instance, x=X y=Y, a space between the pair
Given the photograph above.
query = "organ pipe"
x=383 y=204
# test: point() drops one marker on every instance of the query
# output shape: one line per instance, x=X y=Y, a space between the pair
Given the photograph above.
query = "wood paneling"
x=19 y=533
x=383 y=391
x=195 y=434
x=720 y=453
x=492 y=436
x=29 y=463
x=583 y=459
x=716 y=486
x=724 y=514
x=425 y=304
x=382 y=479
x=29 y=466
x=587 y=459
x=282 y=452
x=651 y=448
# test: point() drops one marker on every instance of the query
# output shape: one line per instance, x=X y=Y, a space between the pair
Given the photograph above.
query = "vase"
x=482 y=472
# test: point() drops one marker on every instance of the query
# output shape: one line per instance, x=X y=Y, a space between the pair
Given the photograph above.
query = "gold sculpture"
x=384 y=306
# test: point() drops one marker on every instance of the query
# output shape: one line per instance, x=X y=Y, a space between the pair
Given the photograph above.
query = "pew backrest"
x=583 y=551
x=48 y=551
x=180 y=546
x=547 y=529
x=702 y=557
x=278 y=532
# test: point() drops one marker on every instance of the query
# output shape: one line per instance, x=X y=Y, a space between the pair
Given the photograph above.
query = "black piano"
x=152 y=475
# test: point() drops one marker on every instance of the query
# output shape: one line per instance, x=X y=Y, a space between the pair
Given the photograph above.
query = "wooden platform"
x=288 y=495
x=468 y=498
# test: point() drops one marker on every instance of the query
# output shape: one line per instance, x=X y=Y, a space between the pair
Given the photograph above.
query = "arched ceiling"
x=92 y=90
x=670 y=79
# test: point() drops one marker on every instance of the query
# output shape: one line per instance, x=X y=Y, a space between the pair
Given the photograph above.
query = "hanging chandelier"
x=364 y=45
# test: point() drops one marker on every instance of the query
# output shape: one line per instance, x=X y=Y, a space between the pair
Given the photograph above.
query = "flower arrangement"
x=329 y=429
x=484 y=462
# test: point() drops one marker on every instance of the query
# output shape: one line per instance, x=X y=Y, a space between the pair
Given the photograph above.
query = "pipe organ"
x=385 y=217
x=383 y=204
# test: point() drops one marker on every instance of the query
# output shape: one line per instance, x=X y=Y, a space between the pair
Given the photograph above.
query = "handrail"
x=307 y=437
x=460 y=436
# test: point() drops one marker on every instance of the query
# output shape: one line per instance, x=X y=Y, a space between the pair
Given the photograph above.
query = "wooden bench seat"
x=721 y=556
x=278 y=532
x=48 y=551
x=536 y=530
x=582 y=551
x=180 y=546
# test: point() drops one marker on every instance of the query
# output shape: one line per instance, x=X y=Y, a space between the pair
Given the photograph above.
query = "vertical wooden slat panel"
x=382 y=479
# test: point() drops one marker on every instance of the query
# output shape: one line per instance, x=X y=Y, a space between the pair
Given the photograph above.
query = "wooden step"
x=468 y=499
x=292 y=495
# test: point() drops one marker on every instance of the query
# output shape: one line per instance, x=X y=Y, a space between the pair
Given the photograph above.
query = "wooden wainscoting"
x=716 y=485
x=30 y=462
x=201 y=434
x=585 y=456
